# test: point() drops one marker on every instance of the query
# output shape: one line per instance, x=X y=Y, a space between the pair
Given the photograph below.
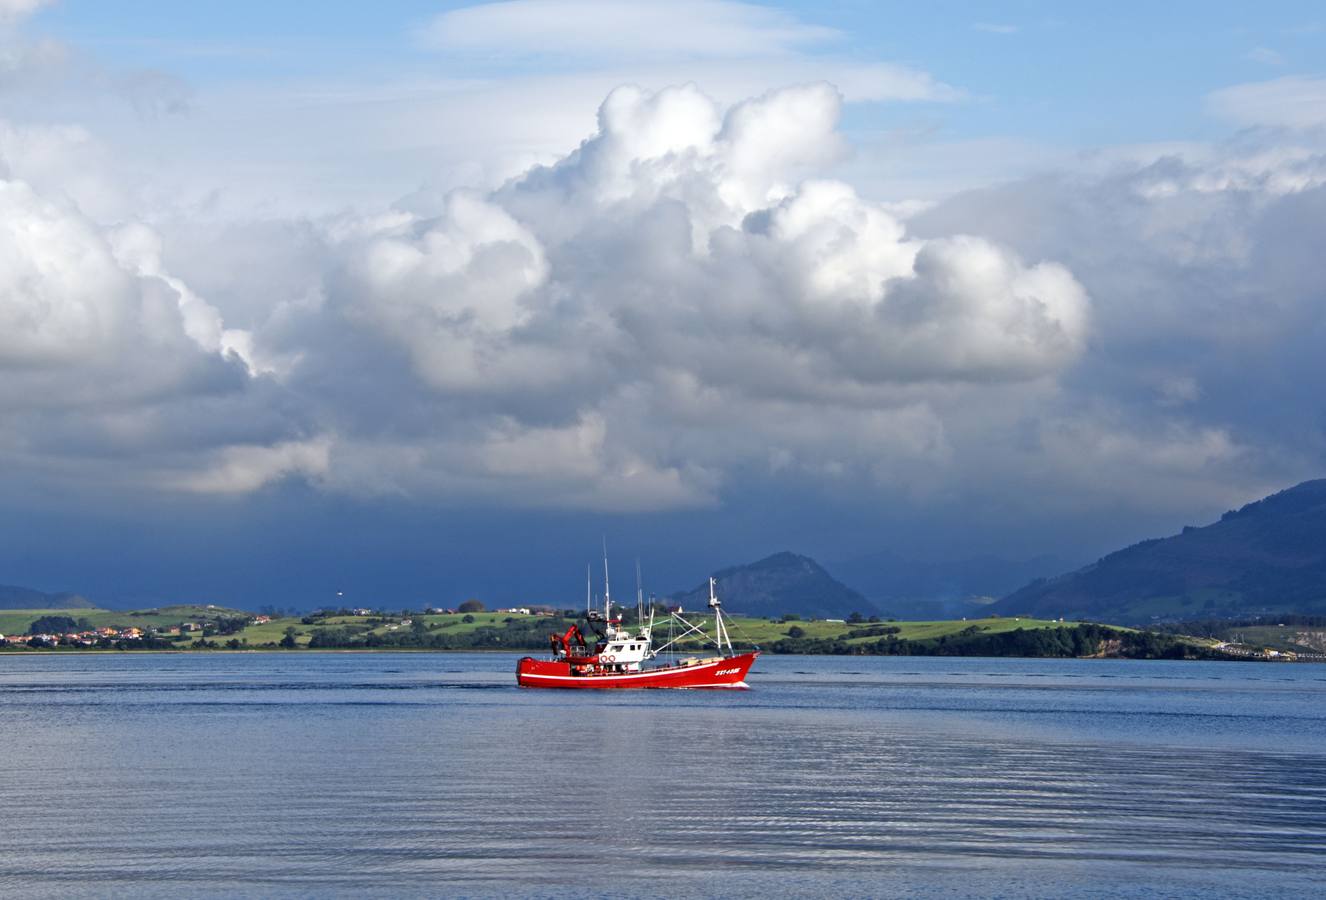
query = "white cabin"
x=624 y=650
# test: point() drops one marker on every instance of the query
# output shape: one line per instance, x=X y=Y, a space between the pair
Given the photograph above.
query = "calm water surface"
x=315 y=774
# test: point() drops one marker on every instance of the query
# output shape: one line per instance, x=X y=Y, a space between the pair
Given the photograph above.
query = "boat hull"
x=729 y=672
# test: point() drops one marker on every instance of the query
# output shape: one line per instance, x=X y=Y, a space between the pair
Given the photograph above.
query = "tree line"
x=1077 y=641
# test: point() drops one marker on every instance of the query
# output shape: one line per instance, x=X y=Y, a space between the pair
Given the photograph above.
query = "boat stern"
x=528 y=669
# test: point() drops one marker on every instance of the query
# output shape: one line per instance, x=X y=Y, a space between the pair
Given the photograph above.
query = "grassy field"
x=759 y=631
x=272 y=632
x=764 y=632
x=16 y=621
x=269 y=632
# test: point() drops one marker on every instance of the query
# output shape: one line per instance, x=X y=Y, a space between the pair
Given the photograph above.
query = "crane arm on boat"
x=563 y=643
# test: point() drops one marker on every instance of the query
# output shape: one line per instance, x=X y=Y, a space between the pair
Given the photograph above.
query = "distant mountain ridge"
x=923 y=589
x=1267 y=557
x=783 y=583
x=15 y=597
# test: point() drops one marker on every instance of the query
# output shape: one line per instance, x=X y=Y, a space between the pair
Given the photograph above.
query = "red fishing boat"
x=617 y=657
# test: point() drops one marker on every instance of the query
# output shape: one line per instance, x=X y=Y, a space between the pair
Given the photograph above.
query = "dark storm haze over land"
x=420 y=301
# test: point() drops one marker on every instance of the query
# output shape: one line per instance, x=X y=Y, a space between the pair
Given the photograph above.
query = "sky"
x=416 y=301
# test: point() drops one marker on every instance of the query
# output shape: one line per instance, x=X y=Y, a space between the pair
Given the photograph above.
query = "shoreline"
x=101 y=651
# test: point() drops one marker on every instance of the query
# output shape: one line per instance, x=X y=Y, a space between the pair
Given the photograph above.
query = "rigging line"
x=743 y=634
x=689 y=629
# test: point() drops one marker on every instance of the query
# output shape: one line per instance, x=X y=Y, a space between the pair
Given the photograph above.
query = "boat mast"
x=720 y=629
x=639 y=597
x=589 y=580
x=607 y=591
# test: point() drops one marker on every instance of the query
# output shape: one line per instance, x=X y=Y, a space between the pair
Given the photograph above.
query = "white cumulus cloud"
x=586 y=333
x=680 y=298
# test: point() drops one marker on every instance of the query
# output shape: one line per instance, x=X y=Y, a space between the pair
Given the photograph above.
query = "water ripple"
x=420 y=774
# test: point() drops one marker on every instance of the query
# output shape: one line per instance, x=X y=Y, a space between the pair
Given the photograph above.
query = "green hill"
x=498 y=631
x=782 y=583
x=1268 y=557
x=17 y=621
x=14 y=597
